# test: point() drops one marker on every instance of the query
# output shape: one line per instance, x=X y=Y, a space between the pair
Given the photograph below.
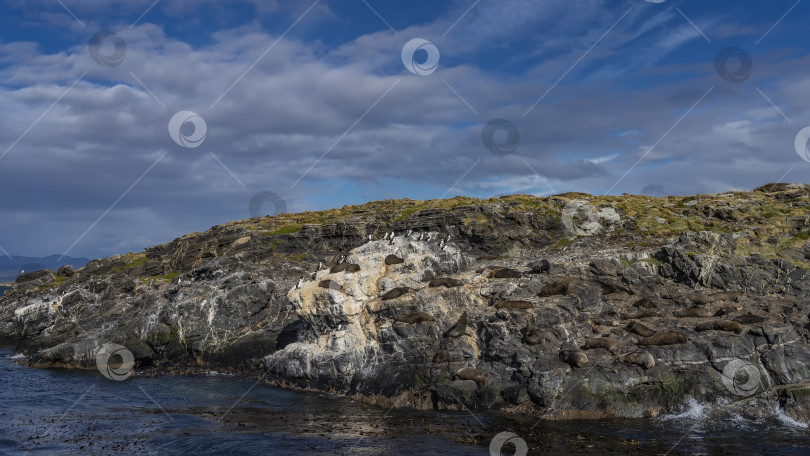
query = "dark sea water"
x=57 y=412
x=3 y=290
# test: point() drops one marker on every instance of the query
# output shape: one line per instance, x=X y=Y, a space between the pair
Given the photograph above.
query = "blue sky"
x=311 y=101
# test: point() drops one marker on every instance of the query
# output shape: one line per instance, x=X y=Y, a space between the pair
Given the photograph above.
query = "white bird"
x=320 y=265
x=369 y=238
x=429 y=235
x=409 y=233
x=441 y=244
x=421 y=235
x=385 y=238
x=342 y=259
x=300 y=282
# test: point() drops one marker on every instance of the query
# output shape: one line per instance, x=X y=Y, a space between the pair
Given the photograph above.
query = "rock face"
x=630 y=321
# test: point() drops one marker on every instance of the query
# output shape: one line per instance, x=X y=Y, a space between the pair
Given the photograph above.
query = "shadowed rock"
x=698 y=298
x=395 y=293
x=352 y=268
x=415 y=317
x=447 y=282
x=459 y=329
x=638 y=328
x=513 y=305
x=393 y=259
x=666 y=338
x=720 y=325
x=646 y=313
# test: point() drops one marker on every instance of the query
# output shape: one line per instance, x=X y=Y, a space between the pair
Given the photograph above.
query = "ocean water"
x=61 y=412
x=3 y=290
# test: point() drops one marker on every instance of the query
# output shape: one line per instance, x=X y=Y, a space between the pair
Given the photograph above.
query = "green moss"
x=289 y=228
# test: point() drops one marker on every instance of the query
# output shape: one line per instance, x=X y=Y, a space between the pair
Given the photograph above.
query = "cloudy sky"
x=333 y=102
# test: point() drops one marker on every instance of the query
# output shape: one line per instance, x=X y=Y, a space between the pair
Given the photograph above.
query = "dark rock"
x=393 y=259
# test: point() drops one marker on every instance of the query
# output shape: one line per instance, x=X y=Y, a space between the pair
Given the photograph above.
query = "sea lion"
x=459 y=328
x=340 y=267
x=726 y=296
x=645 y=303
x=468 y=373
x=640 y=358
x=539 y=267
x=694 y=312
x=393 y=259
x=646 y=313
x=487 y=257
x=353 y=267
x=574 y=357
x=440 y=356
x=749 y=319
x=667 y=338
x=415 y=317
x=599 y=342
x=720 y=325
x=557 y=288
x=446 y=282
x=395 y=293
x=331 y=284
x=533 y=336
x=637 y=328
x=505 y=273
x=513 y=305
x=698 y=298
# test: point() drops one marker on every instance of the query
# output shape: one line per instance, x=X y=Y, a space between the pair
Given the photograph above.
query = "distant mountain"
x=10 y=268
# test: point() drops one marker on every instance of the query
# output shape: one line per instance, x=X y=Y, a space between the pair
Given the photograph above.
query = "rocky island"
x=569 y=306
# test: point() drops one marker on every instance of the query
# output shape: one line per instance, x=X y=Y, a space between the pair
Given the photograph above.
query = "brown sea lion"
x=749 y=319
x=395 y=293
x=539 y=267
x=557 y=288
x=469 y=373
x=640 y=358
x=646 y=313
x=694 y=312
x=330 y=284
x=440 y=356
x=666 y=338
x=505 y=273
x=645 y=303
x=726 y=296
x=720 y=325
x=698 y=298
x=340 y=267
x=638 y=328
x=533 y=336
x=446 y=282
x=393 y=259
x=574 y=357
x=599 y=342
x=513 y=305
x=415 y=317
x=487 y=257
x=352 y=268
x=460 y=328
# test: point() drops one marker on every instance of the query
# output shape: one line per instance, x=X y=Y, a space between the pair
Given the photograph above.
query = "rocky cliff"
x=571 y=306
